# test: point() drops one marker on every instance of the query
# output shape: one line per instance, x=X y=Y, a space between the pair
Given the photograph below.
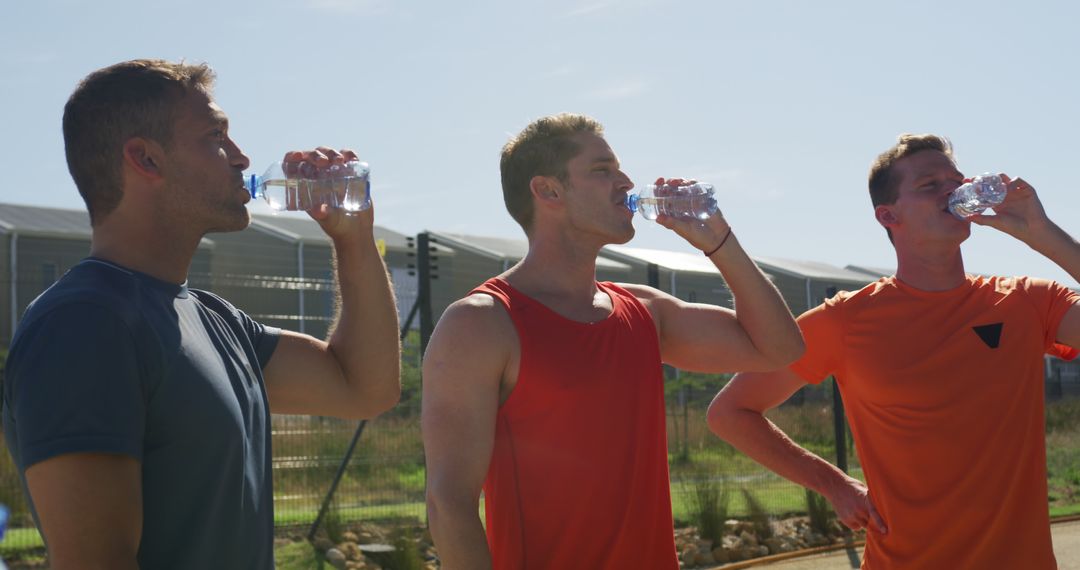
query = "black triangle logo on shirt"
x=990 y=334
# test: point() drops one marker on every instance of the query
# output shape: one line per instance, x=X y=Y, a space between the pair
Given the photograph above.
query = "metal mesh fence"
x=384 y=479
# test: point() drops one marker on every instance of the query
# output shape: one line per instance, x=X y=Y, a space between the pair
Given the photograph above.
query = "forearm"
x=1058 y=246
x=759 y=307
x=458 y=535
x=760 y=439
x=364 y=337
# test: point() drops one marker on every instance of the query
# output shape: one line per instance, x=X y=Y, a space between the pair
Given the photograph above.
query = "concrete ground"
x=1066 y=549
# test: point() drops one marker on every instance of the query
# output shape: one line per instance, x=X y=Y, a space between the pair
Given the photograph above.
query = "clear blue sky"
x=782 y=105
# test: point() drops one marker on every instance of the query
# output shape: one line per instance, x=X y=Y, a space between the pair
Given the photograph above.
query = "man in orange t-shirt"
x=942 y=377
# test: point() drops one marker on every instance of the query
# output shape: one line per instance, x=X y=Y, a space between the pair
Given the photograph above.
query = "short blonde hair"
x=542 y=149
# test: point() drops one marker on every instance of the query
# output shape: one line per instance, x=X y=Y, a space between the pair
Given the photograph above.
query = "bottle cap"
x=252 y=184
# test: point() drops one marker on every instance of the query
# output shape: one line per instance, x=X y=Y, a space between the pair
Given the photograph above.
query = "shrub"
x=709 y=498
x=820 y=512
x=759 y=517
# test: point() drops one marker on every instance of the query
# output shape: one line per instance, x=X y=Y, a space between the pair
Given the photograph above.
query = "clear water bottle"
x=3 y=525
x=345 y=186
x=687 y=202
x=982 y=192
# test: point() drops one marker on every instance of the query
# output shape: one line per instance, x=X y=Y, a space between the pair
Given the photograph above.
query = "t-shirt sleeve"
x=264 y=339
x=823 y=334
x=76 y=385
x=1052 y=300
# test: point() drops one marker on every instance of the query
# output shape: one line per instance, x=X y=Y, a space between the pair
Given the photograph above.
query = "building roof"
x=672 y=260
x=875 y=272
x=46 y=222
x=504 y=249
x=58 y=223
x=303 y=228
x=812 y=270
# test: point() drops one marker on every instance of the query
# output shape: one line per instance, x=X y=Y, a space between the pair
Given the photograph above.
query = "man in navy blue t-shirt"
x=138 y=410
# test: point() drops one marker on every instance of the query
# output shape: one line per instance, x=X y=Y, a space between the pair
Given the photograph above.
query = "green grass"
x=297 y=556
x=297 y=517
x=17 y=539
x=386 y=475
x=1064 y=511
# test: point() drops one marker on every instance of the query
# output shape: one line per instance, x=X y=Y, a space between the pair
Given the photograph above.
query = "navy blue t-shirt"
x=115 y=361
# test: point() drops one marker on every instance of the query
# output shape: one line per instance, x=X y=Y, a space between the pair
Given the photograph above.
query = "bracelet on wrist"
x=722 y=242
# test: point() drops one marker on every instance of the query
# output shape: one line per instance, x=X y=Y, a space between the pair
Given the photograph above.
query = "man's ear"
x=546 y=189
x=885 y=216
x=144 y=158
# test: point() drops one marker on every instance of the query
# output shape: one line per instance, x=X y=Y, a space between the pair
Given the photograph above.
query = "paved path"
x=1066 y=549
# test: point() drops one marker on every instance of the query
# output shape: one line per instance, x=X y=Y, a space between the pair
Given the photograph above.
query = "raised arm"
x=356 y=374
x=737 y=415
x=1022 y=216
x=464 y=367
x=760 y=334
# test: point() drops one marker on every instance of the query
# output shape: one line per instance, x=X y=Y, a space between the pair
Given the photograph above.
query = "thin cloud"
x=30 y=58
x=348 y=6
x=560 y=71
x=627 y=90
x=587 y=9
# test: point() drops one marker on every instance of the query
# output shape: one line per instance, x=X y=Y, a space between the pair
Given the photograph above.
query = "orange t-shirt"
x=579 y=475
x=944 y=395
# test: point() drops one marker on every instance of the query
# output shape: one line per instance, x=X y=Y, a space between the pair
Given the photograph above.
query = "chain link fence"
x=384 y=478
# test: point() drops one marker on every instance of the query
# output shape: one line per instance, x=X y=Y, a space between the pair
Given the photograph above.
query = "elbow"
x=434 y=509
x=375 y=399
x=446 y=508
x=728 y=418
x=720 y=417
x=793 y=351
x=387 y=400
x=384 y=400
x=784 y=353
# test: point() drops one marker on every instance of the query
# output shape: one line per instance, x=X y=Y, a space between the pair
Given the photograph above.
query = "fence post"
x=839 y=427
x=424 y=276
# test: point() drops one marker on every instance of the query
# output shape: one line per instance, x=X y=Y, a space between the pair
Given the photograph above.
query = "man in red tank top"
x=942 y=378
x=544 y=388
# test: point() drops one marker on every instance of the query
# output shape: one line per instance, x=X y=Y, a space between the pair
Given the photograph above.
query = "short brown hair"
x=542 y=149
x=883 y=189
x=135 y=98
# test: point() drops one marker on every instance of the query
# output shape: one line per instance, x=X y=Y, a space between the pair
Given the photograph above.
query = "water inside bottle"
x=351 y=193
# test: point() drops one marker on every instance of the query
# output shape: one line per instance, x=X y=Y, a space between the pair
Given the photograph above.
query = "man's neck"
x=930 y=270
x=142 y=246
x=556 y=267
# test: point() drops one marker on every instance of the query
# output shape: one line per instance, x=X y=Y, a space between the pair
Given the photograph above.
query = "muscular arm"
x=760 y=334
x=356 y=374
x=90 y=509
x=1022 y=216
x=463 y=371
x=737 y=416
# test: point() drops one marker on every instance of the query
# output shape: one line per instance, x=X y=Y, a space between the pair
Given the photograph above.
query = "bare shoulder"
x=478 y=310
x=478 y=323
x=654 y=299
x=645 y=293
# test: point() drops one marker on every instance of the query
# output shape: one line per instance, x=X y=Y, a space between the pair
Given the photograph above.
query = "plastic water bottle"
x=3 y=525
x=982 y=192
x=687 y=202
x=345 y=186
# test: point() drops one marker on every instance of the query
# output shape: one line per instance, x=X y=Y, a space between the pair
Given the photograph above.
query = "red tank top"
x=579 y=474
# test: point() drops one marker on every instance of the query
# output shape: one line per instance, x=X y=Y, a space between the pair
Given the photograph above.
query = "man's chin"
x=625 y=237
x=240 y=220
